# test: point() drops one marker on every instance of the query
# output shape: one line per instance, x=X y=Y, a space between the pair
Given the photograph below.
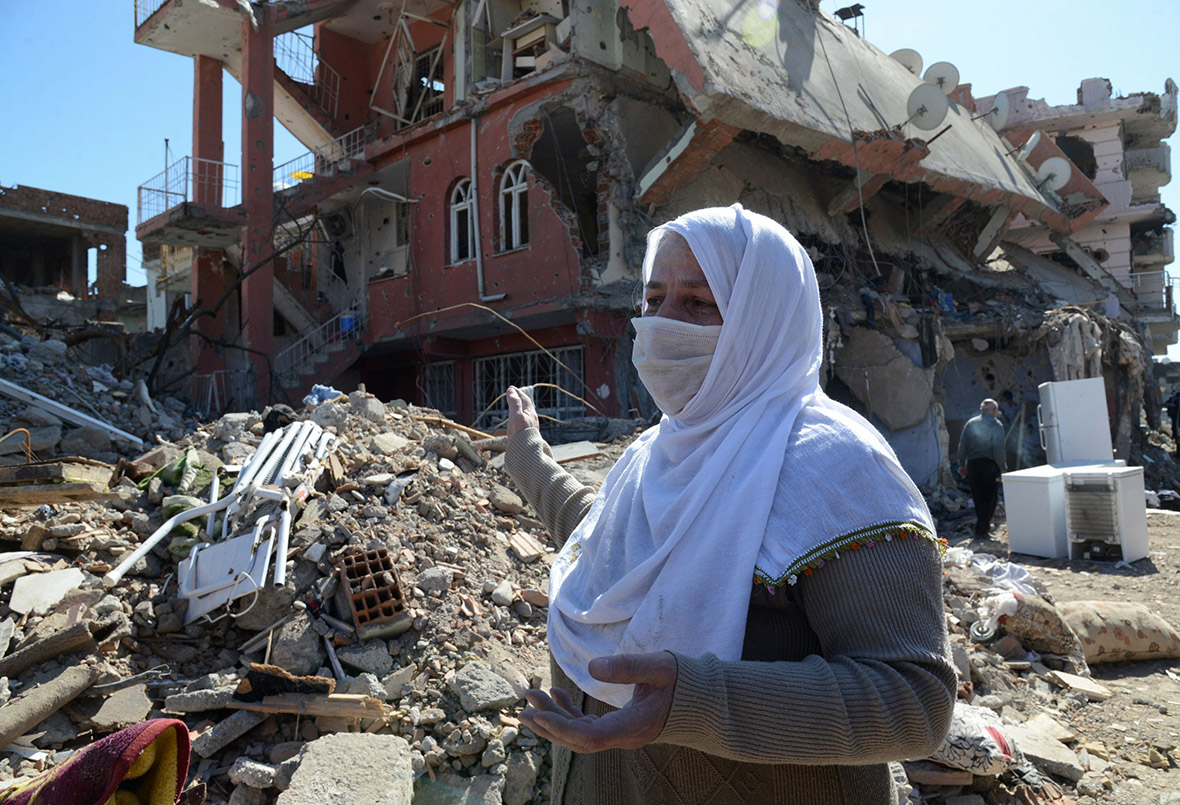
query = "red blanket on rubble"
x=142 y=765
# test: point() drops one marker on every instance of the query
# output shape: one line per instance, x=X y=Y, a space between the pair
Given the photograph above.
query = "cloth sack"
x=145 y=764
x=979 y=743
x=1114 y=631
x=1040 y=627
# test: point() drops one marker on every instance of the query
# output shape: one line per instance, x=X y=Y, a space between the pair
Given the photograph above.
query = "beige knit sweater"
x=841 y=673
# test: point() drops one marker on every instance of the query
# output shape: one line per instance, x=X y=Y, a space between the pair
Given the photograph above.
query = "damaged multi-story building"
x=48 y=242
x=481 y=174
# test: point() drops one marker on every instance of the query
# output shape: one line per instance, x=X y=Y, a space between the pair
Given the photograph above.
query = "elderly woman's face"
x=678 y=288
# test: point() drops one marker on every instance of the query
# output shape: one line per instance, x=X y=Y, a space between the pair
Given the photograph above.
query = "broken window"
x=438 y=388
x=426 y=90
x=494 y=375
x=1080 y=153
x=526 y=43
x=462 y=222
x=514 y=203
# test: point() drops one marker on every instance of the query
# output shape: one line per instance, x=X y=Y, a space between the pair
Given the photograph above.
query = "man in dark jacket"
x=981 y=460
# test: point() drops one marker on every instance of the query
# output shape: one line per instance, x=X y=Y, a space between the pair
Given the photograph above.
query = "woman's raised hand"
x=637 y=723
x=521 y=413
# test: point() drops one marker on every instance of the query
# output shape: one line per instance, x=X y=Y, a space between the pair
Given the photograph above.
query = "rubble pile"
x=1023 y=728
x=387 y=661
x=49 y=369
x=436 y=691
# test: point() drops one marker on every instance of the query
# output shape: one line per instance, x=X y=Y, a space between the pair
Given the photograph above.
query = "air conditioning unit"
x=1106 y=512
x=338 y=225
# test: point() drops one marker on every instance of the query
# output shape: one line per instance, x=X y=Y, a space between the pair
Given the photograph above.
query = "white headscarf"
x=761 y=474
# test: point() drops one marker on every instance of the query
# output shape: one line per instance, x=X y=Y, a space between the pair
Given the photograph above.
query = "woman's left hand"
x=637 y=723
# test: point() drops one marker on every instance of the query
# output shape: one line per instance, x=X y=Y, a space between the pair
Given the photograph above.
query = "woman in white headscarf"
x=750 y=608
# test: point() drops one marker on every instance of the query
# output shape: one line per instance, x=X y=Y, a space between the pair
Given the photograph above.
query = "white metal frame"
x=514 y=202
x=492 y=375
x=462 y=200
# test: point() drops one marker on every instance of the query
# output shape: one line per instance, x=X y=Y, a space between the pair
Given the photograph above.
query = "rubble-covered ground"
x=445 y=693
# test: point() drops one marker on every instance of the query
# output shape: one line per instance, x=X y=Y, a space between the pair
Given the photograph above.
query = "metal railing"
x=295 y=55
x=223 y=390
x=144 y=9
x=1153 y=288
x=330 y=159
x=290 y=364
x=1159 y=158
x=189 y=179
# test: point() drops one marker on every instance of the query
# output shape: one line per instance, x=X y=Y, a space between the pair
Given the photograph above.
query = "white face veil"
x=738 y=485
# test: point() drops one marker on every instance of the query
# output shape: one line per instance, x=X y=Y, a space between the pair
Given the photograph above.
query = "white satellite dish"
x=1027 y=149
x=1001 y=107
x=944 y=75
x=1054 y=173
x=909 y=59
x=926 y=106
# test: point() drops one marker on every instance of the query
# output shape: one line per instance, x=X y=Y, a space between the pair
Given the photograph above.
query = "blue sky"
x=87 y=110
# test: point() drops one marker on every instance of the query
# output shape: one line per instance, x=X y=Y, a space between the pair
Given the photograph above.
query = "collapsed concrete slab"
x=352 y=769
x=891 y=386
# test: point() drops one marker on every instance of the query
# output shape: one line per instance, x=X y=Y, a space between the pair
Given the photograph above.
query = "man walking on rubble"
x=981 y=460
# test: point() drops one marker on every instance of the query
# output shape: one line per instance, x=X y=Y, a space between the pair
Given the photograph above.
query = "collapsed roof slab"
x=811 y=82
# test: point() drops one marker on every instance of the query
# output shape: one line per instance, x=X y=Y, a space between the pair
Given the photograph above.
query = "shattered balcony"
x=193 y=202
x=1153 y=248
x=1154 y=291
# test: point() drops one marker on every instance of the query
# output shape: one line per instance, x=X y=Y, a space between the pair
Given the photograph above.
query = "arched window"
x=462 y=222
x=514 y=206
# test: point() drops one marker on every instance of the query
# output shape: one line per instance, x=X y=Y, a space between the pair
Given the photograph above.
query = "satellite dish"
x=927 y=107
x=1027 y=149
x=909 y=59
x=944 y=75
x=998 y=114
x=1000 y=110
x=1054 y=173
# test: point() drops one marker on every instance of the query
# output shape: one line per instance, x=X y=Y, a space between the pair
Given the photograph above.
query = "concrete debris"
x=479 y=688
x=352 y=769
x=417 y=680
x=453 y=617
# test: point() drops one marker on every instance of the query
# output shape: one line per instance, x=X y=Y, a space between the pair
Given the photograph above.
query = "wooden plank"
x=57 y=471
x=443 y=421
x=52 y=493
x=340 y=705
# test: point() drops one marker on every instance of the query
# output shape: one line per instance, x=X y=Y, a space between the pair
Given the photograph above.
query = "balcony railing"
x=1153 y=288
x=297 y=359
x=189 y=179
x=330 y=159
x=144 y=9
x=295 y=55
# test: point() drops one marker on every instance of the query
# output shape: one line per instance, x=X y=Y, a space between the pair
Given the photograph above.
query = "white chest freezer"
x=1106 y=513
x=1074 y=421
x=1034 y=500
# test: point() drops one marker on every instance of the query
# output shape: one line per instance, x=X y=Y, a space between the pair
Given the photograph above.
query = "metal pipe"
x=214 y=489
x=112 y=578
x=65 y=412
x=247 y=474
x=280 y=574
x=483 y=297
x=296 y=453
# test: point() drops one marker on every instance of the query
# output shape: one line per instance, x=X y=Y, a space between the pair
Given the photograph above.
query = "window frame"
x=513 y=200
x=464 y=188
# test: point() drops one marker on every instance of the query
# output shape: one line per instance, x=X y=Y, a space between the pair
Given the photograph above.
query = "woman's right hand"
x=521 y=413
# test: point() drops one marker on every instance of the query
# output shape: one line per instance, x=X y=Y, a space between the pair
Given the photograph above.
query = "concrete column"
x=258 y=73
x=207 y=279
x=78 y=266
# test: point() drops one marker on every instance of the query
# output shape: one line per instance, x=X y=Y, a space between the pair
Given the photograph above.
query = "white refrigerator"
x=1074 y=422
